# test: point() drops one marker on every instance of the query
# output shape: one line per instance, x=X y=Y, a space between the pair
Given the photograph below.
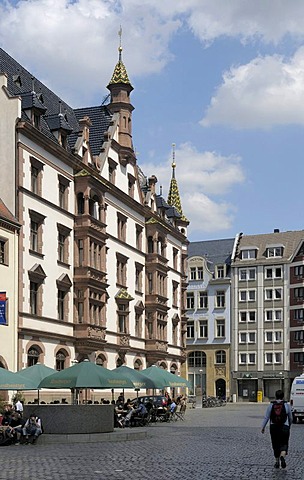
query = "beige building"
x=262 y=306
x=101 y=254
x=9 y=230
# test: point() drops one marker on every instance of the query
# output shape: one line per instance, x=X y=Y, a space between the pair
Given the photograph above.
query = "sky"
x=222 y=80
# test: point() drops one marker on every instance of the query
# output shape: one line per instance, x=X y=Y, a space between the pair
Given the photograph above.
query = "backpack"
x=278 y=413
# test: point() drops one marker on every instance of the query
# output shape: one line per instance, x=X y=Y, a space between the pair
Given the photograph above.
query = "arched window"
x=197 y=359
x=220 y=356
x=173 y=369
x=61 y=358
x=80 y=204
x=137 y=365
x=163 y=365
x=33 y=356
x=100 y=361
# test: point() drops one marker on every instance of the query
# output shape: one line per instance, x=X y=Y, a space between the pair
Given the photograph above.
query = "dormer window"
x=63 y=140
x=249 y=254
x=274 y=251
x=36 y=119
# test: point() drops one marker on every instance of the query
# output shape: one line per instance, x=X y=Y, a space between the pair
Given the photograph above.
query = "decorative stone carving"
x=95 y=332
x=124 y=340
x=161 y=346
x=220 y=371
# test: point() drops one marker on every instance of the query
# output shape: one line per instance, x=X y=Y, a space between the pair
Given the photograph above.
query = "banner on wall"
x=3 y=300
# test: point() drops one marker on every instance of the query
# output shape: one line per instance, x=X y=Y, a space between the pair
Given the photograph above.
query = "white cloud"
x=266 y=20
x=203 y=186
x=267 y=91
x=72 y=43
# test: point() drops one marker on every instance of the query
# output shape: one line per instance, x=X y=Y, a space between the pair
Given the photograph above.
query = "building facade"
x=267 y=310
x=102 y=256
x=208 y=311
x=9 y=231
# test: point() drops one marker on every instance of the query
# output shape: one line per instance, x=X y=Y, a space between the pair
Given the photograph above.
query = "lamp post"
x=201 y=372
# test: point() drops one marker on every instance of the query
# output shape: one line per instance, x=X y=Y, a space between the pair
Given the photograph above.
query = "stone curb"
x=116 y=436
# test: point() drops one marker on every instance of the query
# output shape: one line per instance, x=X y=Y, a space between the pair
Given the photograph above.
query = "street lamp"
x=201 y=372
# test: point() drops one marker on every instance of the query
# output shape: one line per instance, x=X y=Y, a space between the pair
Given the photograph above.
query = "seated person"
x=15 y=426
x=121 y=398
x=141 y=410
x=32 y=427
x=172 y=406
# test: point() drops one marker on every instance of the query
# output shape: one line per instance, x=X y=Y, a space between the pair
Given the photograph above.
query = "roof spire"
x=120 y=74
x=173 y=196
x=120 y=47
x=173 y=160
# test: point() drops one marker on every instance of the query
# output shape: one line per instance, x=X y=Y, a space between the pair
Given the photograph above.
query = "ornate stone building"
x=102 y=256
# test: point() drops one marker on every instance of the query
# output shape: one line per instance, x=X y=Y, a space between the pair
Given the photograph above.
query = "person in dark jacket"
x=280 y=417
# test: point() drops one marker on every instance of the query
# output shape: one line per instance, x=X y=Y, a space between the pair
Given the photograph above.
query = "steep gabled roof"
x=6 y=215
x=56 y=114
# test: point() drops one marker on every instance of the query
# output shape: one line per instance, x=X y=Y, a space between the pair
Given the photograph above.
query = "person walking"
x=280 y=417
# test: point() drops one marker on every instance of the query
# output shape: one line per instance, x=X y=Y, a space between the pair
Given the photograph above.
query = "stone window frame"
x=139 y=236
x=175 y=253
x=121 y=227
x=37 y=219
x=220 y=357
x=175 y=289
x=220 y=327
x=61 y=359
x=36 y=176
x=131 y=185
x=63 y=191
x=121 y=270
x=4 y=251
x=63 y=244
x=64 y=285
x=139 y=268
x=112 y=165
x=36 y=277
x=138 y=327
x=123 y=314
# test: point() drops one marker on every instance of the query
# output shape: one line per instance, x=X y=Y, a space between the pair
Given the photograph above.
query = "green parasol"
x=36 y=373
x=14 y=381
x=162 y=378
x=85 y=375
x=138 y=379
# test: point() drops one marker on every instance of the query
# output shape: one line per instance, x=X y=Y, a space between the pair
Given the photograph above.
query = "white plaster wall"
x=45 y=206
x=10 y=110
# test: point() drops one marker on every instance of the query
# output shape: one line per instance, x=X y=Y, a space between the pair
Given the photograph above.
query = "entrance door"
x=220 y=388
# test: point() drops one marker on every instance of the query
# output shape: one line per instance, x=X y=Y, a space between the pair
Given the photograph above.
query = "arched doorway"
x=220 y=388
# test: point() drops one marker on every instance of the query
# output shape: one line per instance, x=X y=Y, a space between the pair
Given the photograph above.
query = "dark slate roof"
x=31 y=100
x=216 y=252
x=161 y=202
x=100 y=118
x=20 y=82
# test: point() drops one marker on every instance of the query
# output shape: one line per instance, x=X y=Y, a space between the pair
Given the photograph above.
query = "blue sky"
x=223 y=80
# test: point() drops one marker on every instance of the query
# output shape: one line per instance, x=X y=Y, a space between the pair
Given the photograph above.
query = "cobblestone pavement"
x=215 y=443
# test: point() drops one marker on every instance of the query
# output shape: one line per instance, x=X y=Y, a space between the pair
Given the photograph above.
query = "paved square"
x=215 y=443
